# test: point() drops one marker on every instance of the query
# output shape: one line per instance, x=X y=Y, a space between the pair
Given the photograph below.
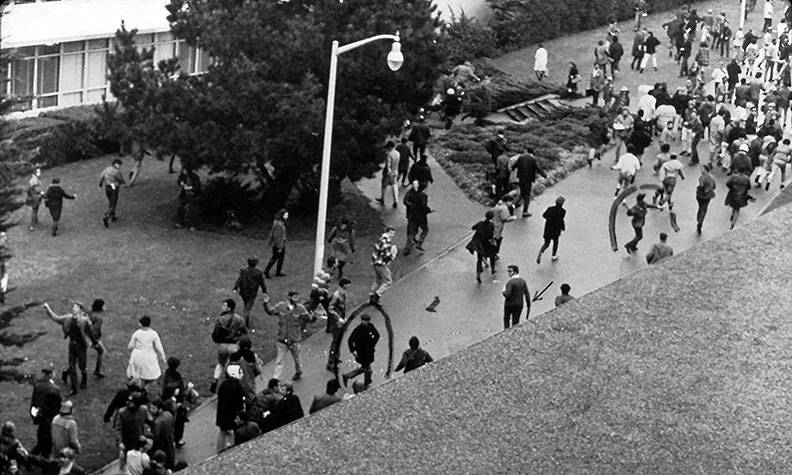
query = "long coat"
x=481 y=242
x=230 y=403
x=362 y=342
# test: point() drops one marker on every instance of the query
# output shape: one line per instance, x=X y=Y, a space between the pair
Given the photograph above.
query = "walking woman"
x=146 y=347
x=277 y=240
x=483 y=244
x=342 y=243
x=737 y=197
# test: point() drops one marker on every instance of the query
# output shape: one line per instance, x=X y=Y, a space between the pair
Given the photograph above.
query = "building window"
x=76 y=72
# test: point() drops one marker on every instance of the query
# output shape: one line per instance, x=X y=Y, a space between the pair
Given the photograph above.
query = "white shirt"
x=716 y=126
x=781 y=28
x=670 y=168
x=647 y=105
x=738 y=38
x=768 y=10
x=628 y=164
x=540 y=60
x=718 y=74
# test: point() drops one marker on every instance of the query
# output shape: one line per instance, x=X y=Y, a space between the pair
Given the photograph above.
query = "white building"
x=60 y=47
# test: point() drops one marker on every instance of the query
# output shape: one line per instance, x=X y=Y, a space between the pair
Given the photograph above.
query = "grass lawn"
x=142 y=265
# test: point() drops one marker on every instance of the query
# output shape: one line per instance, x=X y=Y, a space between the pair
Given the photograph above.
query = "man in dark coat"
x=554 y=224
x=483 y=243
x=416 y=203
x=514 y=292
x=615 y=53
x=163 y=431
x=287 y=409
x=130 y=422
x=420 y=171
x=230 y=403
x=361 y=343
x=119 y=401
x=247 y=285
x=419 y=136
x=527 y=168
x=44 y=405
x=53 y=200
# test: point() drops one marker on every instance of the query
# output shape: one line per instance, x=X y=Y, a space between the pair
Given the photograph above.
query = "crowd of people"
x=741 y=122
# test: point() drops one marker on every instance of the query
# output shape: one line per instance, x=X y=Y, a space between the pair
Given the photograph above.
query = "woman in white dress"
x=146 y=346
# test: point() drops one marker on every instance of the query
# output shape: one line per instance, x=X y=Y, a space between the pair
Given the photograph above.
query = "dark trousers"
x=34 y=215
x=547 y=240
x=683 y=68
x=614 y=67
x=276 y=259
x=55 y=213
x=498 y=242
x=418 y=150
x=525 y=195
x=178 y=424
x=43 y=438
x=412 y=231
x=181 y=210
x=511 y=315
x=332 y=357
x=247 y=306
x=701 y=213
x=78 y=358
x=112 y=201
x=100 y=351
x=694 y=157
x=594 y=97
x=480 y=257
x=365 y=370
x=633 y=245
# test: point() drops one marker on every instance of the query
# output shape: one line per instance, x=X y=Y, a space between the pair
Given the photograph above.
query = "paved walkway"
x=469 y=313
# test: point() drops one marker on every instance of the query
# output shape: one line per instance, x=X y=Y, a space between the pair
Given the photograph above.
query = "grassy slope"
x=141 y=265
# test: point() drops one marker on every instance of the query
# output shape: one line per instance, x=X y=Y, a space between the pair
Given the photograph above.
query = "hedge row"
x=68 y=135
x=519 y=23
x=560 y=144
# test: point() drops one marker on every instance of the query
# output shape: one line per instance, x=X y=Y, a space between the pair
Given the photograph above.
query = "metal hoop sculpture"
x=618 y=201
x=335 y=345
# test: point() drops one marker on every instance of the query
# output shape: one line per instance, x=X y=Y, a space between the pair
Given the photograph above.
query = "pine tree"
x=12 y=168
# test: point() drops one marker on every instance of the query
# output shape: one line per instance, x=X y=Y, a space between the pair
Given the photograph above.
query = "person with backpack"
x=77 y=329
x=228 y=329
x=414 y=357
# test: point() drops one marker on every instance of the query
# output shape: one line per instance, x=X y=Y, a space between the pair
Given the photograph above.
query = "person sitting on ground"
x=659 y=251
x=414 y=357
x=564 y=297
x=287 y=410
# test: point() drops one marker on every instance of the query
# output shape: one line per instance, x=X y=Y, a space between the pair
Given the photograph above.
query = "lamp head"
x=395 y=57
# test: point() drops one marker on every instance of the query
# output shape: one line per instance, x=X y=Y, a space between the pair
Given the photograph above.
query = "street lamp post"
x=742 y=13
x=395 y=60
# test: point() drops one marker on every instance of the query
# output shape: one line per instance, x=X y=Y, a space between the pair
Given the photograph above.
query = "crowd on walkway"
x=742 y=123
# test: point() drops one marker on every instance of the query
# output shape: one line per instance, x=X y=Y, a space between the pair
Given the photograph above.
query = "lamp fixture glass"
x=395 y=57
